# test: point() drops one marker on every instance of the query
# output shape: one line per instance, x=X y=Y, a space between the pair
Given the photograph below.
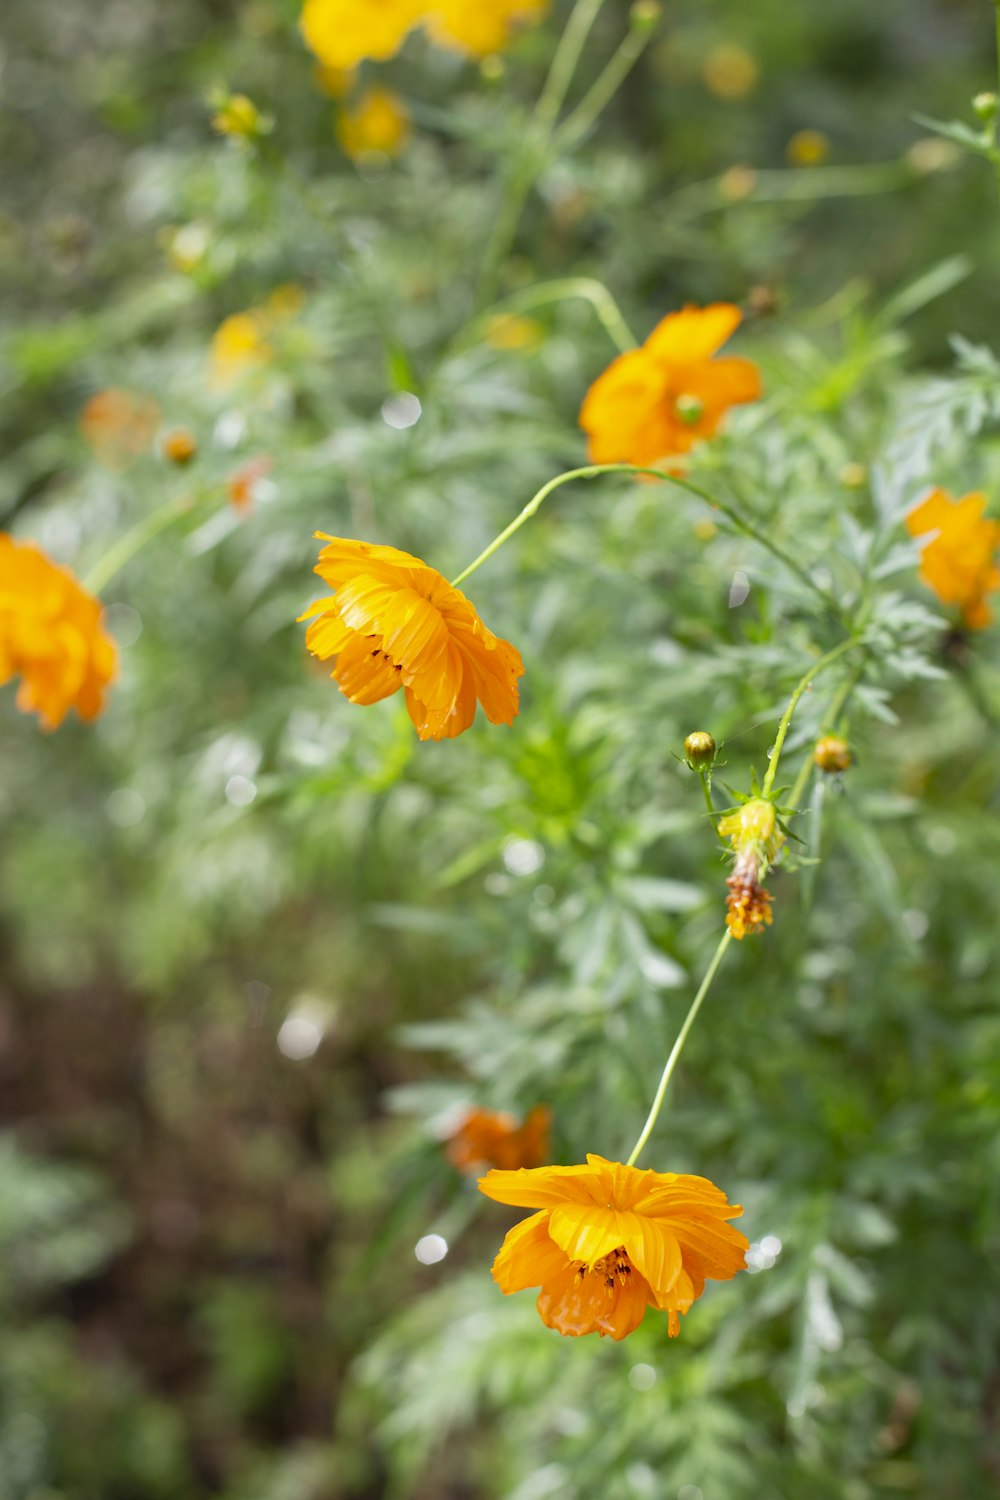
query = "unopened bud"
x=832 y=754
x=236 y=115
x=645 y=14
x=180 y=446
x=985 y=106
x=699 y=750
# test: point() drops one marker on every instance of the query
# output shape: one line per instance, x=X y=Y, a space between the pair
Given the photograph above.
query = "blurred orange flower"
x=478 y=27
x=393 y=622
x=377 y=124
x=119 y=425
x=488 y=1138
x=51 y=637
x=343 y=33
x=242 y=482
x=661 y=399
x=960 y=562
x=610 y=1240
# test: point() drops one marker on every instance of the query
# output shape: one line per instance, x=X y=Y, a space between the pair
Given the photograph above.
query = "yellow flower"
x=510 y=331
x=960 y=561
x=377 y=124
x=808 y=148
x=238 y=116
x=610 y=1241
x=730 y=72
x=478 y=27
x=393 y=622
x=51 y=636
x=244 y=341
x=343 y=33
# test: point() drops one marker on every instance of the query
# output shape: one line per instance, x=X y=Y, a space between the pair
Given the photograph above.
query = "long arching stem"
x=134 y=540
x=793 y=703
x=678 y=1047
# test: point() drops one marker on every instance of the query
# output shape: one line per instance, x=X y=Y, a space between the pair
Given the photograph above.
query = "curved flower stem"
x=591 y=470
x=793 y=703
x=678 y=1047
x=586 y=287
x=703 y=777
x=539 y=138
x=133 y=541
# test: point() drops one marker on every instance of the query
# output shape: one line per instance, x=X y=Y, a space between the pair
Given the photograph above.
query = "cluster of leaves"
x=221 y=1227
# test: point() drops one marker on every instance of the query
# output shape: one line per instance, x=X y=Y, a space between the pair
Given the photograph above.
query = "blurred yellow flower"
x=510 y=331
x=336 y=83
x=478 y=27
x=244 y=341
x=343 y=33
x=808 y=148
x=236 y=115
x=378 y=124
x=51 y=636
x=730 y=72
x=960 y=561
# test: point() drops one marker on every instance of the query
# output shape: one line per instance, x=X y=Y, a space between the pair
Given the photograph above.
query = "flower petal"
x=694 y=334
x=541 y=1187
x=528 y=1256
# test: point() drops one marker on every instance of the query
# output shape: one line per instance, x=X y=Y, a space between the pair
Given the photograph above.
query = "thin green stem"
x=536 y=146
x=793 y=703
x=832 y=718
x=706 y=787
x=602 y=91
x=678 y=1047
x=591 y=470
x=585 y=287
x=996 y=119
x=134 y=540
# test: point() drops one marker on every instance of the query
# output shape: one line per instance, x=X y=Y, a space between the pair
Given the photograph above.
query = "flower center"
x=690 y=409
x=614 y=1269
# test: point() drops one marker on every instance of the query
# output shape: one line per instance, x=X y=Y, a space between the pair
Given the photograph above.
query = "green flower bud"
x=699 y=750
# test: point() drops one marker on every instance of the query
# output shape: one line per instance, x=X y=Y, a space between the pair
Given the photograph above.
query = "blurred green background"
x=256 y=945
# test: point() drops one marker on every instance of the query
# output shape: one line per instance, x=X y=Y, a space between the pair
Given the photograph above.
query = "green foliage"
x=261 y=947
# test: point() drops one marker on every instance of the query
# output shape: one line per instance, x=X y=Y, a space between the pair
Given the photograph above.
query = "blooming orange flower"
x=51 y=636
x=478 y=27
x=343 y=33
x=487 y=1137
x=119 y=425
x=960 y=562
x=394 y=622
x=663 y=398
x=610 y=1240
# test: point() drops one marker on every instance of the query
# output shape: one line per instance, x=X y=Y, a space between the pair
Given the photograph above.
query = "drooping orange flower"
x=119 y=425
x=492 y=1138
x=661 y=399
x=610 y=1241
x=478 y=27
x=51 y=636
x=960 y=562
x=393 y=622
x=343 y=33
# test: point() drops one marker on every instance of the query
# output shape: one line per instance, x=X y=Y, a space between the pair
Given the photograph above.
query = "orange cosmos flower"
x=51 y=637
x=393 y=622
x=960 y=562
x=610 y=1241
x=489 y=1138
x=119 y=425
x=663 y=398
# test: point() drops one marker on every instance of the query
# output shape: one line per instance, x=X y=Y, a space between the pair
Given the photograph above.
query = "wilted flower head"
x=610 y=1241
x=960 y=560
x=755 y=837
x=393 y=622
x=51 y=636
x=377 y=124
x=660 y=400
x=492 y=1138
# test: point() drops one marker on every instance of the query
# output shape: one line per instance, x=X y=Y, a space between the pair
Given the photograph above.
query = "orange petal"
x=363 y=674
x=694 y=334
x=541 y=1187
x=576 y=1304
x=528 y=1256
